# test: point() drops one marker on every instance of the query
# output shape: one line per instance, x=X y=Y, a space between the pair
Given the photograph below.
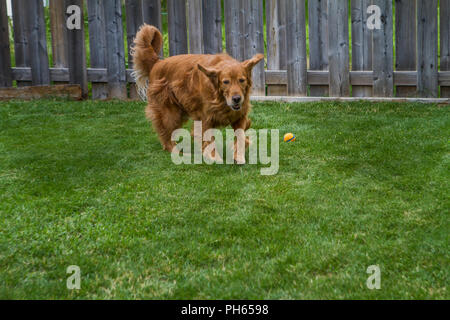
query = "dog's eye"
x=226 y=82
x=241 y=80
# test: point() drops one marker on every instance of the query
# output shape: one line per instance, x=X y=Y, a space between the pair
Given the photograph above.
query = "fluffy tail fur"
x=147 y=45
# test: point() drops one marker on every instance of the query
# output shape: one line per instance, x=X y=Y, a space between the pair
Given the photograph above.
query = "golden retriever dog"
x=214 y=89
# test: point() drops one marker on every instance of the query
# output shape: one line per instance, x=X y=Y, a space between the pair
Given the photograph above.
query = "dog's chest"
x=225 y=117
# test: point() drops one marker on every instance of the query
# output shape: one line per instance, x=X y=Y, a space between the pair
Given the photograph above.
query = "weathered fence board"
x=40 y=92
x=296 y=51
x=37 y=40
x=405 y=42
x=21 y=43
x=276 y=42
x=97 y=44
x=178 y=43
x=318 y=42
x=135 y=19
x=195 y=25
x=151 y=11
x=358 y=78
x=5 y=52
x=445 y=42
x=427 y=48
x=115 y=52
x=361 y=44
x=297 y=77
x=212 y=26
x=77 y=50
x=338 y=46
x=58 y=30
x=382 y=60
x=232 y=29
x=253 y=29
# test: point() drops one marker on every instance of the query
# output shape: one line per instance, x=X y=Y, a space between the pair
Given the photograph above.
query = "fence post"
x=427 y=49
x=115 y=52
x=383 y=51
x=212 y=26
x=151 y=10
x=59 y=30
x=97 y=44
x=37 y=42
x=176 y=10
x=276 y=42
x=318 y=42
x=253 y=29
x=297 y=75
x=5 y=53
x=361 y=44
x=338 y=54
x=195 y=13
x=77 y=50
x=445 y=42
x=405 y=42
x=232 y=29
x=134 y=22
x=21 y=42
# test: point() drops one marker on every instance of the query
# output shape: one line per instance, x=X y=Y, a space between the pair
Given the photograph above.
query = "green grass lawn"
x=87 y=184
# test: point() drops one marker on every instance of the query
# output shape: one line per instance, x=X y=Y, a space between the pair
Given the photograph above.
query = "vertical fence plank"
x=59 y=33
x=97 y=44
x=134 y=21
x=253 y=29
x=318 y=42
x=297 y=75
x=276 y=42
x=77 y=51
x=21 y=43
x=445 y=42
x=176 y=10
x=151 y=10
x=405 y=42
x=361 y=44
x=383 y=52
x=195 y=13
x=5 y=53
x=427 y=48
x=338 y=54
x=212 y=26
x=115 y=50
x=276 y=34
x=232 y=29
x=36 y=30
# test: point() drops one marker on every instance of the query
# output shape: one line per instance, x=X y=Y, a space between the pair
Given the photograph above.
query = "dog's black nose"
x=237 y=99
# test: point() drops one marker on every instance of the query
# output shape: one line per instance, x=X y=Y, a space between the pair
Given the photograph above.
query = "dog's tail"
x=147 y=45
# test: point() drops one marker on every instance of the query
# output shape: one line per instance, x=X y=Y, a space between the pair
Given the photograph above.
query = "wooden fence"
x=310 y=47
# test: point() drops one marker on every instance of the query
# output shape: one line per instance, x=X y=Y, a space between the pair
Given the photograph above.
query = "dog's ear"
x=249 y=64
x=210 y=73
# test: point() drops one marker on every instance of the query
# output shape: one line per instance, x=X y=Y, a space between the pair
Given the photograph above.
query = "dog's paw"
x=239 y=161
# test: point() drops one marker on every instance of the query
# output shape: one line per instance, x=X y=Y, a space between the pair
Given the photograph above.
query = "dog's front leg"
x=240 y=127
x=209 y=149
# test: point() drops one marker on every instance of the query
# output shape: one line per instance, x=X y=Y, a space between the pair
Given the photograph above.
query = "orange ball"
x=289 y=137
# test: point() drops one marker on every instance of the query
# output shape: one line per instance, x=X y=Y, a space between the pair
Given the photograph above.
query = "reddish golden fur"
x=200 y=87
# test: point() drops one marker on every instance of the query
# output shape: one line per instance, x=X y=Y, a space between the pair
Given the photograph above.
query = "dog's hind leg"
x=165 y=120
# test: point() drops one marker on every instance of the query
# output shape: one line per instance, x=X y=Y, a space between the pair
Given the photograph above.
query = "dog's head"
x=233 y=80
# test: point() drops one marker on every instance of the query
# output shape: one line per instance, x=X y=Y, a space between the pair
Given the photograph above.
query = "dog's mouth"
x=235 y=107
